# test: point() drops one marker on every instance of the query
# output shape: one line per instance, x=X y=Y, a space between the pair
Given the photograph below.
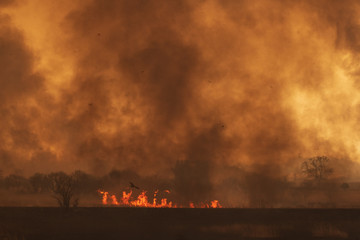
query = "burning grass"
x=142 y=200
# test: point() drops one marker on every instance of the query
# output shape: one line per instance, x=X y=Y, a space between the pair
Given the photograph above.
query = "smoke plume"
x=179 y=89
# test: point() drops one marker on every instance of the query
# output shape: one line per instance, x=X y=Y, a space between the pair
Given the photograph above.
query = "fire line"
x=142 y=201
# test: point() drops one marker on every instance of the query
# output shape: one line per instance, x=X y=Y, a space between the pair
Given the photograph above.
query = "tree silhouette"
x=317 y=168
x=62 y=187
x=17 y=183
x=39 y=182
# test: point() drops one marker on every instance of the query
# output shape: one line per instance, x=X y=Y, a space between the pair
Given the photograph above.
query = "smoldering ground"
x=179 y=89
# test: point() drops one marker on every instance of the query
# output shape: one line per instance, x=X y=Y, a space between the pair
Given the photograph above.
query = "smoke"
x=179 y=89
x=5 y=2
x=20 y=89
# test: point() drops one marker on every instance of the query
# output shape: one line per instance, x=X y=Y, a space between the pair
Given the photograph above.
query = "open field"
x=179 y=224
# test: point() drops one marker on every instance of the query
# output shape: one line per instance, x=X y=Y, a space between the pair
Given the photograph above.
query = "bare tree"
x=62 y=188
x=317 y=168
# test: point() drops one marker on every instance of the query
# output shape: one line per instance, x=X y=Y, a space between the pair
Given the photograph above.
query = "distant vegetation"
x=67 y=189
x=81 y=182
x=314 y=183
x=317 y=168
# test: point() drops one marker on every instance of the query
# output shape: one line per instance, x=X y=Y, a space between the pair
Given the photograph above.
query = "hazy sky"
x=142 y=84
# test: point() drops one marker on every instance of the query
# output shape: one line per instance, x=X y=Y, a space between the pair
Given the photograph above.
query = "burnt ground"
x=178 y=224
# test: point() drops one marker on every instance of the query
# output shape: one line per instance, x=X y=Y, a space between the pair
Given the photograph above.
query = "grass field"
x=179 y=224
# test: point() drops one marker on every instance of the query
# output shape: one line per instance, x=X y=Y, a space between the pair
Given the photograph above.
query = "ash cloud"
x=167 y=80
x=6 y=2
x=182 y=89
x=21 y=89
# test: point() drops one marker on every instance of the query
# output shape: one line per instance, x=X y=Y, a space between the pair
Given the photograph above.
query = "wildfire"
x=105 y=196
x=142 y=201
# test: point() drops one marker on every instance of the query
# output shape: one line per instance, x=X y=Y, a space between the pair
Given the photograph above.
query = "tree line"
x=65 y=187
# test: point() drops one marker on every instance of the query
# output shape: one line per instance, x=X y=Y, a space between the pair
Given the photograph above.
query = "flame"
x=215 y=204
x=143 y=201
x=104 y=196
x=126 y=198
x=114 y=200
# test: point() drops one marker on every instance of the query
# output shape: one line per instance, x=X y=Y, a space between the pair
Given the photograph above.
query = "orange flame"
x=142 y=201
x=104 y=196
x=215 y=204
x=126 y=198
x=114 y=200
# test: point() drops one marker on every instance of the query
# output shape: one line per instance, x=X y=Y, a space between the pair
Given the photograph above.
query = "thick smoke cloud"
x=5 y=2
x=21 y=89
x=180 y=89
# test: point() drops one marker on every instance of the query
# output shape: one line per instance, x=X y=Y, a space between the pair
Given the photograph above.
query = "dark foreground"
x=178 y=224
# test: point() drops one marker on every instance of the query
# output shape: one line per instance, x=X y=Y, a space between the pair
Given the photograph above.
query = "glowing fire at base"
x=142 y=201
